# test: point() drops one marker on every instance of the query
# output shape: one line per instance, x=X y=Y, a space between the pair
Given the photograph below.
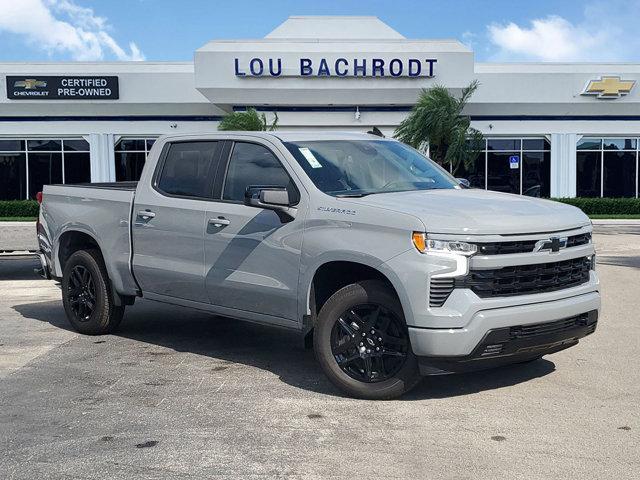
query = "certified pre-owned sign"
x=62 y=88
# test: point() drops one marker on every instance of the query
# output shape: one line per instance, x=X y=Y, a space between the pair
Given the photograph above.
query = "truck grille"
x=527 y=279
x=526 y=246
x=577 y=240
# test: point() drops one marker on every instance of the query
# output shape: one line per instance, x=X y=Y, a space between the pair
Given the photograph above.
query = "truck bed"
x=100 y=210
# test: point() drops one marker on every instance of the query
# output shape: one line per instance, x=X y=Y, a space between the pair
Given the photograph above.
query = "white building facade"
x=552 y=130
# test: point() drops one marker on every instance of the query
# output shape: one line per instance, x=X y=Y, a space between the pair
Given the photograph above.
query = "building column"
x=103 y=168
x=563 y=164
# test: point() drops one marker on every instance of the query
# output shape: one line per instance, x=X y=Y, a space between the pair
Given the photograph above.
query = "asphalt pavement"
x=177 y=393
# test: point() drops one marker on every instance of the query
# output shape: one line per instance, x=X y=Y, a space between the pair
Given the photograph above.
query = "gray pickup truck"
x=384 y=263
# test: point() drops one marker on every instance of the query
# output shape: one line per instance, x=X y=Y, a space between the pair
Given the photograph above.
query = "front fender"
x=309 y=271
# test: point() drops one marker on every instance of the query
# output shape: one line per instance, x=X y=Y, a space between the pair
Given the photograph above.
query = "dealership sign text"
x=62 y=88
x=339 y=67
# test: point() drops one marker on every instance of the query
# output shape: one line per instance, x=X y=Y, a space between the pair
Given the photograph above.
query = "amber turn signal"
x=419 y=241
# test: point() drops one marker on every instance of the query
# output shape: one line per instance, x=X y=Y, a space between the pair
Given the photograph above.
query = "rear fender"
x=121 y=280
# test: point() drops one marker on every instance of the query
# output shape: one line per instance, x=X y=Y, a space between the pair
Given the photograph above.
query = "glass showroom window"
x=131 y=153
x=28 y=164
x=607 y=167
x=512 y=165
x=13 y=170
x=474 y=172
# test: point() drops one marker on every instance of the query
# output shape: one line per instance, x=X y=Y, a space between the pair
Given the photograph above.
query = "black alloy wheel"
x=87 y=295
x=81 y=293
x=369 y=343
x=362 y=343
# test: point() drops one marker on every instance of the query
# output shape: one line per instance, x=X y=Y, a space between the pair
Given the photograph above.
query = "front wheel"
x=362 y=343
x=86 y=294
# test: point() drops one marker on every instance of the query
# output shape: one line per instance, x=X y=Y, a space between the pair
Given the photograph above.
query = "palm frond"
x=437 y=120
x=249 y=120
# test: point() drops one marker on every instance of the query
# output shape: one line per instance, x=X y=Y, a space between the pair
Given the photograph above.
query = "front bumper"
x=461 y=342
x=506 y=345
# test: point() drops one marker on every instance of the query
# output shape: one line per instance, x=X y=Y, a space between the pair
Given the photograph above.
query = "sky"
x=171 y=30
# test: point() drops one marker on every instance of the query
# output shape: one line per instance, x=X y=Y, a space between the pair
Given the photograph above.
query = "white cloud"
x=470 y=39
x=62 y=26
x=550 y=39
x=595 y=37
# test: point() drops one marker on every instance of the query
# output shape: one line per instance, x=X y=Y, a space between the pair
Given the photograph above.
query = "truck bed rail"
x=126 y=186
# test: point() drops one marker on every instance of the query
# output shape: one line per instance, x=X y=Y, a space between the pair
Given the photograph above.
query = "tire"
x=385 y=375
x=87 y=296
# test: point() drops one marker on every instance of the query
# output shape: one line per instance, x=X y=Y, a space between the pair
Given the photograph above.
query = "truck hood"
x=479 y=212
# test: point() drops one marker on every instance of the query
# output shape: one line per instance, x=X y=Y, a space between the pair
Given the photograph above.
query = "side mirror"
x=464 y=183
x=270 y=198
x=276 y=197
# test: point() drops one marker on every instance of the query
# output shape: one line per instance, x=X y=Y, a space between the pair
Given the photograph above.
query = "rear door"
x=252 y=255
x=169 y=221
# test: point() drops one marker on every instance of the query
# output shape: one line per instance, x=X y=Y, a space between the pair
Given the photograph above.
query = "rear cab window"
x=188 y=169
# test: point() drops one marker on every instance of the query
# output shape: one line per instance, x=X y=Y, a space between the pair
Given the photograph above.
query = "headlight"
x=427 y=245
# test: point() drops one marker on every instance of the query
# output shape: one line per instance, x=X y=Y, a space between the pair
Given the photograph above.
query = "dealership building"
x=551 y=129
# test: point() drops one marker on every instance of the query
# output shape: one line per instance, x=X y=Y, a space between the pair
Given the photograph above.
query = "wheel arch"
x=72 y=240
x=340 y=272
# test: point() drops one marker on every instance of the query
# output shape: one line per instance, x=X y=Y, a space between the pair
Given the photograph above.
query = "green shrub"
x=19 y=208
x=605 y=206
x=590 y=206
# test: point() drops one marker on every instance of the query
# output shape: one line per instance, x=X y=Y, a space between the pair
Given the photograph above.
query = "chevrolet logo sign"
x=609 y=87
x=30 y=84
x=553 y=245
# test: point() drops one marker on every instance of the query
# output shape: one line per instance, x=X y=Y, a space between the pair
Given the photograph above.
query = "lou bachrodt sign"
x=339 y=67
x=62 y=88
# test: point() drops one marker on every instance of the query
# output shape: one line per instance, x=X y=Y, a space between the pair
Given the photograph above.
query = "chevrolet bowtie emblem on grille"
x=609 y=87
x=30 y=84
x=553 y=244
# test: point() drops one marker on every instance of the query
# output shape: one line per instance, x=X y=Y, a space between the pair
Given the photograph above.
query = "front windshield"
x=364 y=167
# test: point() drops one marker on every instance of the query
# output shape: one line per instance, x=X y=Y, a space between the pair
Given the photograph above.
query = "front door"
x=169 y=221
x=252 y=256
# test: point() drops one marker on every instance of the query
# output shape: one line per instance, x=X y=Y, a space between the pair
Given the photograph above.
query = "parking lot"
x=180 y=394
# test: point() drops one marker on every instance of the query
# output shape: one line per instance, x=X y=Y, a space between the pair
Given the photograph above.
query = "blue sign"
x=340 y=67
x=514 y=161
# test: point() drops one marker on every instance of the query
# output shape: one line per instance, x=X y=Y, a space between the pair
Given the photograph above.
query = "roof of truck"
x=284 y=136
x=321 y=135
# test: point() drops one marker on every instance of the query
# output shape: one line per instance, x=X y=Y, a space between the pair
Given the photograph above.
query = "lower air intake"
x=439 y=291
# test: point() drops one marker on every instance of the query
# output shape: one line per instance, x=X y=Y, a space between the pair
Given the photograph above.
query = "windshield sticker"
x=311 y=159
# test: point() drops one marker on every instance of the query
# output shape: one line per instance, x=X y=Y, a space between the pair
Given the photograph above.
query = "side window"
x=187 y=169
x=252 y=164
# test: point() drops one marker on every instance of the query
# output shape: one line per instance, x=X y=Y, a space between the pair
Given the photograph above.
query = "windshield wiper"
x=364 y=194
x=353 y=195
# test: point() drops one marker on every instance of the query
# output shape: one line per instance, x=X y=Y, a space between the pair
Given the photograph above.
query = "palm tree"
x=436 y=121
x=249 y=120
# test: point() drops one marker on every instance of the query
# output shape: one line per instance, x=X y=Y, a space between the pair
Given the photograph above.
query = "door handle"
x=219 y=222
x=146 y=214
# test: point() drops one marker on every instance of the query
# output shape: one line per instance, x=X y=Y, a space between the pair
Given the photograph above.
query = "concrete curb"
x=614 y=221
x=18 y=224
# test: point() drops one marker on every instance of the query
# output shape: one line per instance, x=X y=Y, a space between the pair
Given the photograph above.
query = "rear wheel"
x=362 y=343
x=87 y=296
